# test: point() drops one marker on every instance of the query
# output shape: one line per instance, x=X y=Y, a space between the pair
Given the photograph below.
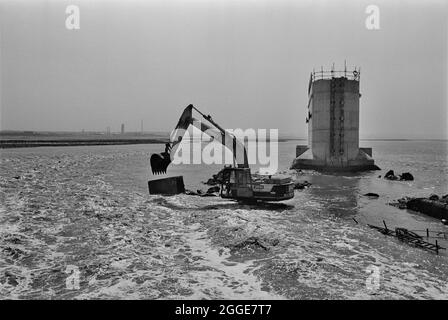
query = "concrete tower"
x=333 y=124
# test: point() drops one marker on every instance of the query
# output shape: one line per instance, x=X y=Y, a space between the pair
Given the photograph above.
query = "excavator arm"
x=160 y=162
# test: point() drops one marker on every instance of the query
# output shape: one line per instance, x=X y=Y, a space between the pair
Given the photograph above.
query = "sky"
x=245 y=62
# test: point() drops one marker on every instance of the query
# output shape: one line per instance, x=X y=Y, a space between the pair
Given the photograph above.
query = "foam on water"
x=89 y=208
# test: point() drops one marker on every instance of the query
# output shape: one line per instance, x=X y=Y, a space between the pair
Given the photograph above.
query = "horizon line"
x=285 y=136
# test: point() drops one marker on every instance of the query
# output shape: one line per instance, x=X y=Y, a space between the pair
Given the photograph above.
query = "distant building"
x=122 y=128
x=333 y=124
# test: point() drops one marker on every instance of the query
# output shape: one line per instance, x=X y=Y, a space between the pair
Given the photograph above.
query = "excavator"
x=236 y=181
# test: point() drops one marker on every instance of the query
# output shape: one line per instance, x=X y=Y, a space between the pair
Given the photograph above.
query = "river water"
x=84 y=213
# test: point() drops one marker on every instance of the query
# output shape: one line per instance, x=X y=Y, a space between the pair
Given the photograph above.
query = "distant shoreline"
x=8 y=144
x=30 y=139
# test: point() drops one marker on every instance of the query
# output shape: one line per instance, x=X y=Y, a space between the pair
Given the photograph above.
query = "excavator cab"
x=236 y=183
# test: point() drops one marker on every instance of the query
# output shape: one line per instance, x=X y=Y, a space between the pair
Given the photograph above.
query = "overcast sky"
x=245 y=62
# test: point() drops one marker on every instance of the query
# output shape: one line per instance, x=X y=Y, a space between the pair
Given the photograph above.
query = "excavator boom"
x=160 y=162
x=236 y=182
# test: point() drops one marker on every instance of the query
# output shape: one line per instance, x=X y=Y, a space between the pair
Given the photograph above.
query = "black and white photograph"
x=223 y=150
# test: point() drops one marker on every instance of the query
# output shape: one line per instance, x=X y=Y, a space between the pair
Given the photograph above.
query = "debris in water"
x=433 y=206
x=410 y=237
x=301 y=185
x=372 y=195
x=255 y=243
x=169 y=186
x=401 y=203
x=433 y=197
x=390 y=175
x=405 y=176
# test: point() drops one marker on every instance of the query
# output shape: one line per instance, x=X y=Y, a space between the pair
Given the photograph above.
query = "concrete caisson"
x=333 y=125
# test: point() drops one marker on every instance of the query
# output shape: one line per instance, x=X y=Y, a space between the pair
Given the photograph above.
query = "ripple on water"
x=62 y=209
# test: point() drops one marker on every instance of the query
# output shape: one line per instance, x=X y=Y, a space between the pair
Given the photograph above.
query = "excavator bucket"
x=160 y=162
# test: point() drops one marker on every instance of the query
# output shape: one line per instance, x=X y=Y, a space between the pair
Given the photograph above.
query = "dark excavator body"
x=236 y=182
x=239 y=184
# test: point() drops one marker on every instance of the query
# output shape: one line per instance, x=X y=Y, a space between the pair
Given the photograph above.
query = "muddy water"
x=88 y=208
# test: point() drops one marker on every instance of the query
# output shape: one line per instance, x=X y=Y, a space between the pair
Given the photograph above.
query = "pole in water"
x=437 y=247
x=427 y=232
x=345 y=68
x=384 y=222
